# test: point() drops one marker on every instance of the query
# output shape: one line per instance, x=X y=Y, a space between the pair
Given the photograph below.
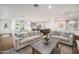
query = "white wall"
x=51 y=24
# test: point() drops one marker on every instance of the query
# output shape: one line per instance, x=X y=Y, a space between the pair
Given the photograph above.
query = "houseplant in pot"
x=46 y=39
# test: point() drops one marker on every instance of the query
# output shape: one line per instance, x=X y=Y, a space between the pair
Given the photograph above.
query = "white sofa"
x=77 y=42
x=26 y=39
x=65 y=39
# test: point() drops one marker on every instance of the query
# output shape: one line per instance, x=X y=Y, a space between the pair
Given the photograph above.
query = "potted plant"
x=46 y=39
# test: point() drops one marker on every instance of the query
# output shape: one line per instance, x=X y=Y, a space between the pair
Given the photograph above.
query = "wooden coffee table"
x=42 y=48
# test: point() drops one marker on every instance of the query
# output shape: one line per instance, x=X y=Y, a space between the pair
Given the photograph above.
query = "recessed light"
x=49 y=6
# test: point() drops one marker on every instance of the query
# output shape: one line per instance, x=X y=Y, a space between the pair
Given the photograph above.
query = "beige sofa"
x=65 y=37
x=77 y=43
x=26 y=39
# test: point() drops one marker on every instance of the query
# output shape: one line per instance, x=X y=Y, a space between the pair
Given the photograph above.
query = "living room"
x=39 y=29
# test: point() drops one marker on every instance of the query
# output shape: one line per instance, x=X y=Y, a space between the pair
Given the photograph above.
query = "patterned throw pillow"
x=35 y=33
x=31 y=33
x=38 y=33
x=67 y=34
x=57 y=32
x=61 y=33
x=21 y=36
x=54 y=33
x=26 y=34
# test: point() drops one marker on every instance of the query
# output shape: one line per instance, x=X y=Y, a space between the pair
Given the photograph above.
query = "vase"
x=46 y=42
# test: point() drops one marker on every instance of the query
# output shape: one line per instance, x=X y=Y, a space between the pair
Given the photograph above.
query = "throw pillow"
x=21 y=36
x=26 y=35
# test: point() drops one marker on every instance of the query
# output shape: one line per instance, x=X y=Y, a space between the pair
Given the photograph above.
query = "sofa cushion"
x=5 y=35
x=61 y=34
x=38 y=32
x=77 y=42
x=55 y=36
x=21 y=36
x=53 y=33
x=60 y=37
x=35 y=33
x=26 y=35
x=26 y=40
x=64 y=38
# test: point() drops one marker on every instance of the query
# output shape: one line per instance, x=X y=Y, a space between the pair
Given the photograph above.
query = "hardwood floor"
x=65 y=49
x=6 y=43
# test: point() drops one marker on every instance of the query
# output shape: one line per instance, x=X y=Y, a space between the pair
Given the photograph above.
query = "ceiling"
x=12 y=11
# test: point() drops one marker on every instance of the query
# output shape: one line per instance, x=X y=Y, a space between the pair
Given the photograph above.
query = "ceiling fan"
x=36 y=5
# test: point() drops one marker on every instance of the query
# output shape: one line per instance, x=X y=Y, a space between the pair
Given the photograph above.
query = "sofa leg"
x=32 y=51
x=57 y=45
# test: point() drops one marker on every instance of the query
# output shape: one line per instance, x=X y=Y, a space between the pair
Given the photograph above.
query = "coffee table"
x=42 y=48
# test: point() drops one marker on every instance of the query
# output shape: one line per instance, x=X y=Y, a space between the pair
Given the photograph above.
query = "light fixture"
x=49 y=6
x=36 y=5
